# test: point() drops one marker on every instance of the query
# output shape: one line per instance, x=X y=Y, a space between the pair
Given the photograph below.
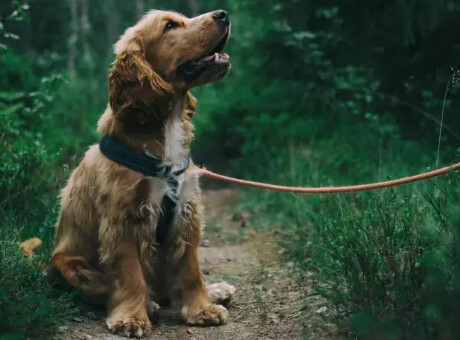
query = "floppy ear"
x=133 y=83
x=106 y=122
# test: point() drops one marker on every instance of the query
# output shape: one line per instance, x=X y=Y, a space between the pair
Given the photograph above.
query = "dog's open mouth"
x=214 y=56
x=213 y=59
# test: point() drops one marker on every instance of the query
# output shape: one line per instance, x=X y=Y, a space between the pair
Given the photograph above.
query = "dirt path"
x=268 y=303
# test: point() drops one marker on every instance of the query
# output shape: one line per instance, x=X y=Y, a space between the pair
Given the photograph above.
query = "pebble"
x=321 y=310
x=274 y=318
x=205 y=243
x=77 y=319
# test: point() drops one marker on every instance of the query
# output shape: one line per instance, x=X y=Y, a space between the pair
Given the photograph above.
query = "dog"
x=107 y=235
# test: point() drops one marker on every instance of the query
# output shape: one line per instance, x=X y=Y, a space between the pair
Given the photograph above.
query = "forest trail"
x=268 y=303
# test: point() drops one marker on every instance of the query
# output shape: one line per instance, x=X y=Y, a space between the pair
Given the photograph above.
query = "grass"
x=29 y=307
x=213 y=227
x=386 y=261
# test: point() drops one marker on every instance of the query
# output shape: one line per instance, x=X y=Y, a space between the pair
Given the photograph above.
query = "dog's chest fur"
x=175 y=152
x=175 y=155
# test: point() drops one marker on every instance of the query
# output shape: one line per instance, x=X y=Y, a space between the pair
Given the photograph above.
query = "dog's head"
x=172 y=52
x=157 y=61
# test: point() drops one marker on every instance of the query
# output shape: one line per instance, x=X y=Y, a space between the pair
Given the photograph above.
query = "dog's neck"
x=163 y=130
x=175 y=150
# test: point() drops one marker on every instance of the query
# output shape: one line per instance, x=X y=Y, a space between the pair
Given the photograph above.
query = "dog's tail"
x=30 y=246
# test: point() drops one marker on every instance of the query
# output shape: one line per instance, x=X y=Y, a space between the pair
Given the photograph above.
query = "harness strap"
x=151 y=166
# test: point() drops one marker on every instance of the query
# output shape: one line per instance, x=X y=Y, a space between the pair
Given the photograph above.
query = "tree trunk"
x=112 y=22
x=73 y=37
x=85 y=29
x=140 y=8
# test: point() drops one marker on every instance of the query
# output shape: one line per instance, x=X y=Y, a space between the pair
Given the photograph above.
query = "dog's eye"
x=170 y=25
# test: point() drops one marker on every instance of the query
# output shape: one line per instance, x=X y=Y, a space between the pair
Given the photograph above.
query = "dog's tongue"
x=209 y=57
x=215 y=56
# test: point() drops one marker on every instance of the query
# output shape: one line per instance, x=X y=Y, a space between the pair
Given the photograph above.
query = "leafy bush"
x=384 y=264
x=29 y=178
x=28 y=308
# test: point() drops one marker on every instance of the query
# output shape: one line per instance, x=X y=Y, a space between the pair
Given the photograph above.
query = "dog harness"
x=153 y=167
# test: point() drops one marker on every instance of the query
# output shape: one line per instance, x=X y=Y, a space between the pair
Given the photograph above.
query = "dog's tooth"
x=216 y=56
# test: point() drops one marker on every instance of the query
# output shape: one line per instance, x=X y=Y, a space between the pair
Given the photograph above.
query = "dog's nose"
x=221 y=15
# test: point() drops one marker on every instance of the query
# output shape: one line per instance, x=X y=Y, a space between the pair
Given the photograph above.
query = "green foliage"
x=28 y=308
x=325 y=60
x=315 y=99
x=29 y=177
x=387 y=262
x=24 y=156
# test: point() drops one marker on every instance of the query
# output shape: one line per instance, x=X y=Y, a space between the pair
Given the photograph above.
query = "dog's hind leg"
x=77 y=273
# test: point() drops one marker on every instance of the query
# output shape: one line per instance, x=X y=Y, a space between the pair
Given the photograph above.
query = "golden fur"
x=105 y=234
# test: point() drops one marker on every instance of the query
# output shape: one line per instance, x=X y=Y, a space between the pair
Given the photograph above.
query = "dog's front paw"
x=220 y=293
x=206 y=315
x=129 y=326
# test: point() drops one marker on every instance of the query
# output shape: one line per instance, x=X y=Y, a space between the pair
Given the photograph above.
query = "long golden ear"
x=106 y=122
x=132 y=82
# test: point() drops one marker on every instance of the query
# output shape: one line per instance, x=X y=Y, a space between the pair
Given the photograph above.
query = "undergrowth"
x=29 y=307
x=387 y=262
x=39 y=137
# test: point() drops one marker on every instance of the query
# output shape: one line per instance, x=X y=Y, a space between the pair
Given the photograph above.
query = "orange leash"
x=332 y=190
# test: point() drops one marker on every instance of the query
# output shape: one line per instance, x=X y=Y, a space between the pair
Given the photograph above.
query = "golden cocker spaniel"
x=107 y=241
